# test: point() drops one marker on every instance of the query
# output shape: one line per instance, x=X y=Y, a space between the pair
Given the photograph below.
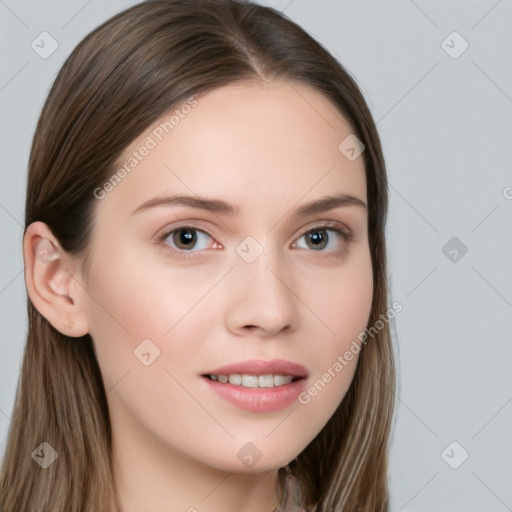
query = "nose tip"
x=279 y=327
x=261 y=301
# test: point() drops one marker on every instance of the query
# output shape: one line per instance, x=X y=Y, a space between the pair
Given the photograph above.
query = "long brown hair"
x=119 y=80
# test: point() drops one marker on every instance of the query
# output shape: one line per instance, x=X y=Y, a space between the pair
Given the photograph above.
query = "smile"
x=254 y=381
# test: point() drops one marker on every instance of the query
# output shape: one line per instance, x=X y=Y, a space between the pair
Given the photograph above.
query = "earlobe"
x=53 y=288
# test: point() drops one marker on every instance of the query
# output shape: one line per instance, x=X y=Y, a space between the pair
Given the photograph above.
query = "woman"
x=238 y=375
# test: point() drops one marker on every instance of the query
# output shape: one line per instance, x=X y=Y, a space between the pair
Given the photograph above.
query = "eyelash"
x=347 y=235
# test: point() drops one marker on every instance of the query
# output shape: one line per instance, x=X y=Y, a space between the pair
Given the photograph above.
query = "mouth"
x=253 y=381
x=257 y=385
x=256 y=373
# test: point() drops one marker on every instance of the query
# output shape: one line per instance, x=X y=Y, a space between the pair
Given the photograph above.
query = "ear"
x=53 y=281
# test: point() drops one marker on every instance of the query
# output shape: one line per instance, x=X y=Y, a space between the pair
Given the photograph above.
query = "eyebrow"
x=219 y=206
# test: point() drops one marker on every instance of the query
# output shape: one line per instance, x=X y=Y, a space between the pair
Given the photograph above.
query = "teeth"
x=266 y=381
x=281 y=380
x=249 y=381
x=235 y=379
x=253 y=381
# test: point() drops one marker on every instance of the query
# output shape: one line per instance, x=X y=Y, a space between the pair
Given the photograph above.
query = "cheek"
x=343 y=304
x=138 y=300
x=125 y=309
x=132 y=301
x=343 y=301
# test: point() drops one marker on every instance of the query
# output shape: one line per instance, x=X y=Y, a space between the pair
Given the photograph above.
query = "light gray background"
x=446 y=127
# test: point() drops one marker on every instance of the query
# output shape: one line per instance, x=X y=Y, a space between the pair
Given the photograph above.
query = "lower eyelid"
x=162 y=238
x=346 y=236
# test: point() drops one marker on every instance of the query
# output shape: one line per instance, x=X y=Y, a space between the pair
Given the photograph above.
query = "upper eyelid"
x=329 y=224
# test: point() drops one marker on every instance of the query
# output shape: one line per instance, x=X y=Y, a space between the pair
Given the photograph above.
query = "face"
x=248 y=285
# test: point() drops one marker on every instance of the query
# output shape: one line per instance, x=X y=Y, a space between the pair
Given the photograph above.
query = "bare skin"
x=268 y=149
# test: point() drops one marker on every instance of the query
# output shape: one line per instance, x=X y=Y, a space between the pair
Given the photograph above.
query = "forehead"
x=245 y=142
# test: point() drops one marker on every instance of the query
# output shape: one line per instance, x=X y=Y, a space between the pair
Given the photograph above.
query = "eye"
x=326 y=238
x=184 y=239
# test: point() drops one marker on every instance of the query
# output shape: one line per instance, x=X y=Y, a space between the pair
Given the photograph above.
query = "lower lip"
x=258 y=399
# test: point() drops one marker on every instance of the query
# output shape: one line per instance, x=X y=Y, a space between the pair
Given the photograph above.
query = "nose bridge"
x=266 y=273
x=264 y=297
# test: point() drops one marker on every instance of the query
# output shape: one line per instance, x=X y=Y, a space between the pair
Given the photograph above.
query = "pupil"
x=318 y=239
x=186 y=237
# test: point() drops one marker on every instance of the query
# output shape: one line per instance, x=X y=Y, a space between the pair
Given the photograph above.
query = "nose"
x=262 y=299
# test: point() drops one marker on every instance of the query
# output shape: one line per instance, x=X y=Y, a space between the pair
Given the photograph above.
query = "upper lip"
x=261 y=367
